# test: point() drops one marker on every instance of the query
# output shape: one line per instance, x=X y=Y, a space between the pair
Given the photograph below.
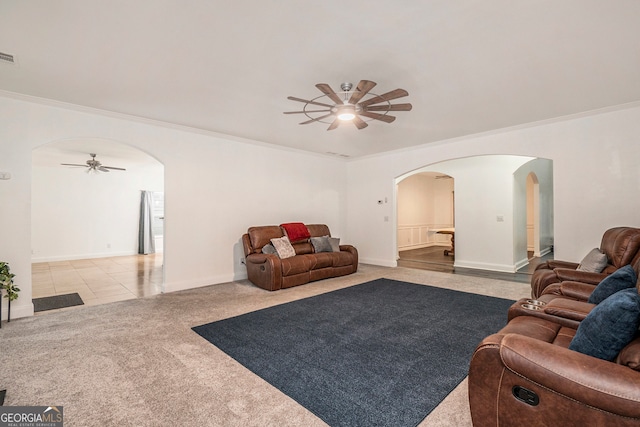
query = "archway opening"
x=426 y=219
x=85 y=222
x=490 y=212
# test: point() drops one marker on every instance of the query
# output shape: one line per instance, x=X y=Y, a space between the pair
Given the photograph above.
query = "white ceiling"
x=227 y=66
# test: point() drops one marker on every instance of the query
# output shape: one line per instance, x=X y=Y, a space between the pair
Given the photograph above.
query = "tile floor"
x=99 y=280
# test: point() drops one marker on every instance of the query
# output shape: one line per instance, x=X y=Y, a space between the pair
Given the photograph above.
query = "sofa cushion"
x=296 y=231
x=302 y=247
x=260 y=236
x=318 y=230
x=610 y=326
x=341 y=259
x=594 y=262
x=321 y=244
x=283 y=247
x=295 y=265
x=319 y=261
x=622 y=278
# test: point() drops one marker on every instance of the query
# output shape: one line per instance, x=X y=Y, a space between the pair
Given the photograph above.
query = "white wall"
x=595 y=178
x=215 y=188
x=96 y=215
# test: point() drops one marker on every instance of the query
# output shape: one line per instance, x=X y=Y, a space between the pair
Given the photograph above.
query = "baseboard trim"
x=198 y=283
x=79 y=257
x=17 y=310
x=379 y=262
x=504 y=268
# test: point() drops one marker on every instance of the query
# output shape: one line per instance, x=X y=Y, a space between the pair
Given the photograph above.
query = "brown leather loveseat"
x=271 y=272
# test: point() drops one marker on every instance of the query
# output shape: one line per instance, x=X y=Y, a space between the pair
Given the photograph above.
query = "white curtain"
x=146 y=239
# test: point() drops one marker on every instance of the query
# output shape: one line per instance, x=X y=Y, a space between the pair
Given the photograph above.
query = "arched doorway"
x=490 y=209
x=425 y=219
x=91 y=247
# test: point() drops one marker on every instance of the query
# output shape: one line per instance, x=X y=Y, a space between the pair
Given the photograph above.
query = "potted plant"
x=6 y=283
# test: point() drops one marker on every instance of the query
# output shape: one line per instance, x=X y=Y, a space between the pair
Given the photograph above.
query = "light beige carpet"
x=138 y=363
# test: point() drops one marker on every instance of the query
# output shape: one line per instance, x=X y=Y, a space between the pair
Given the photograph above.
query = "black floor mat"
x=56 y=301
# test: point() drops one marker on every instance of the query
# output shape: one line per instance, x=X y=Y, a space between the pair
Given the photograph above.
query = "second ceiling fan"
x=351 y=105
x=94 y=165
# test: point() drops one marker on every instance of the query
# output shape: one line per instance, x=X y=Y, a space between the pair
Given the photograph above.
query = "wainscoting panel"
x=414 y=236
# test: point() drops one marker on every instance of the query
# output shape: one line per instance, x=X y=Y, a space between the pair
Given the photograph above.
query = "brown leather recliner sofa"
x=621 y=245
x=526 y=374
x=577 y=291
x=271 y=272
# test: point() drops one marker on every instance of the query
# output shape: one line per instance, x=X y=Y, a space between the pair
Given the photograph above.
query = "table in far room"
x=451 y=232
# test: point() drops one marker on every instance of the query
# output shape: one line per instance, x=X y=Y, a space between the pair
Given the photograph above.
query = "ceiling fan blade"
x=361 y=90
x=73 y=164
x=382 y=117
x=111 y=167
x=334 y=124
x=316 y=119
x=293 y=98
x=393 y=107
x=326 y=89
x=308 y=111
x=360 y=124
x=397 y=93
x=103 y=169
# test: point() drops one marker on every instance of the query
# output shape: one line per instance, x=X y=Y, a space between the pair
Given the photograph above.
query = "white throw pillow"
x=283 y=247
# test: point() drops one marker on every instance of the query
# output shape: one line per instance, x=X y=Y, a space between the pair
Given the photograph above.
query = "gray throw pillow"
x=594 y=262
x=269 y=249
x=335 y=244
x=321 y=244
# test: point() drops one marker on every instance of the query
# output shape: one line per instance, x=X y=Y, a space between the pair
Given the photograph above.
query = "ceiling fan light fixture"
x=347 y=112
x=355 y=105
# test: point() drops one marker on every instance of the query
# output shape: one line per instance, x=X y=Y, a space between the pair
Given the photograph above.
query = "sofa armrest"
x=264 y=270
x=594 y=382
x=354 y=253
x=569 y=309
x=553 y=264
x=578 y=290
x=565 y=274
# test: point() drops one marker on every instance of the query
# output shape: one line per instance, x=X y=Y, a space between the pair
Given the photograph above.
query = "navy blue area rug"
x=383 y=353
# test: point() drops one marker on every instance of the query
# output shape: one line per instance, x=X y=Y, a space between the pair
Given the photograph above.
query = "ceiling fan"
x=351 y=105
x=94 y=165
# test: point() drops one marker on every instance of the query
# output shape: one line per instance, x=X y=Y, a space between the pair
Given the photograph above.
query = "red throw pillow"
x=296 y=231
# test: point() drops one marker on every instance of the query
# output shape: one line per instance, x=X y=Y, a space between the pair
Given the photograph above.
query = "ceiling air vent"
x=5 y=57
x=337 y=154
